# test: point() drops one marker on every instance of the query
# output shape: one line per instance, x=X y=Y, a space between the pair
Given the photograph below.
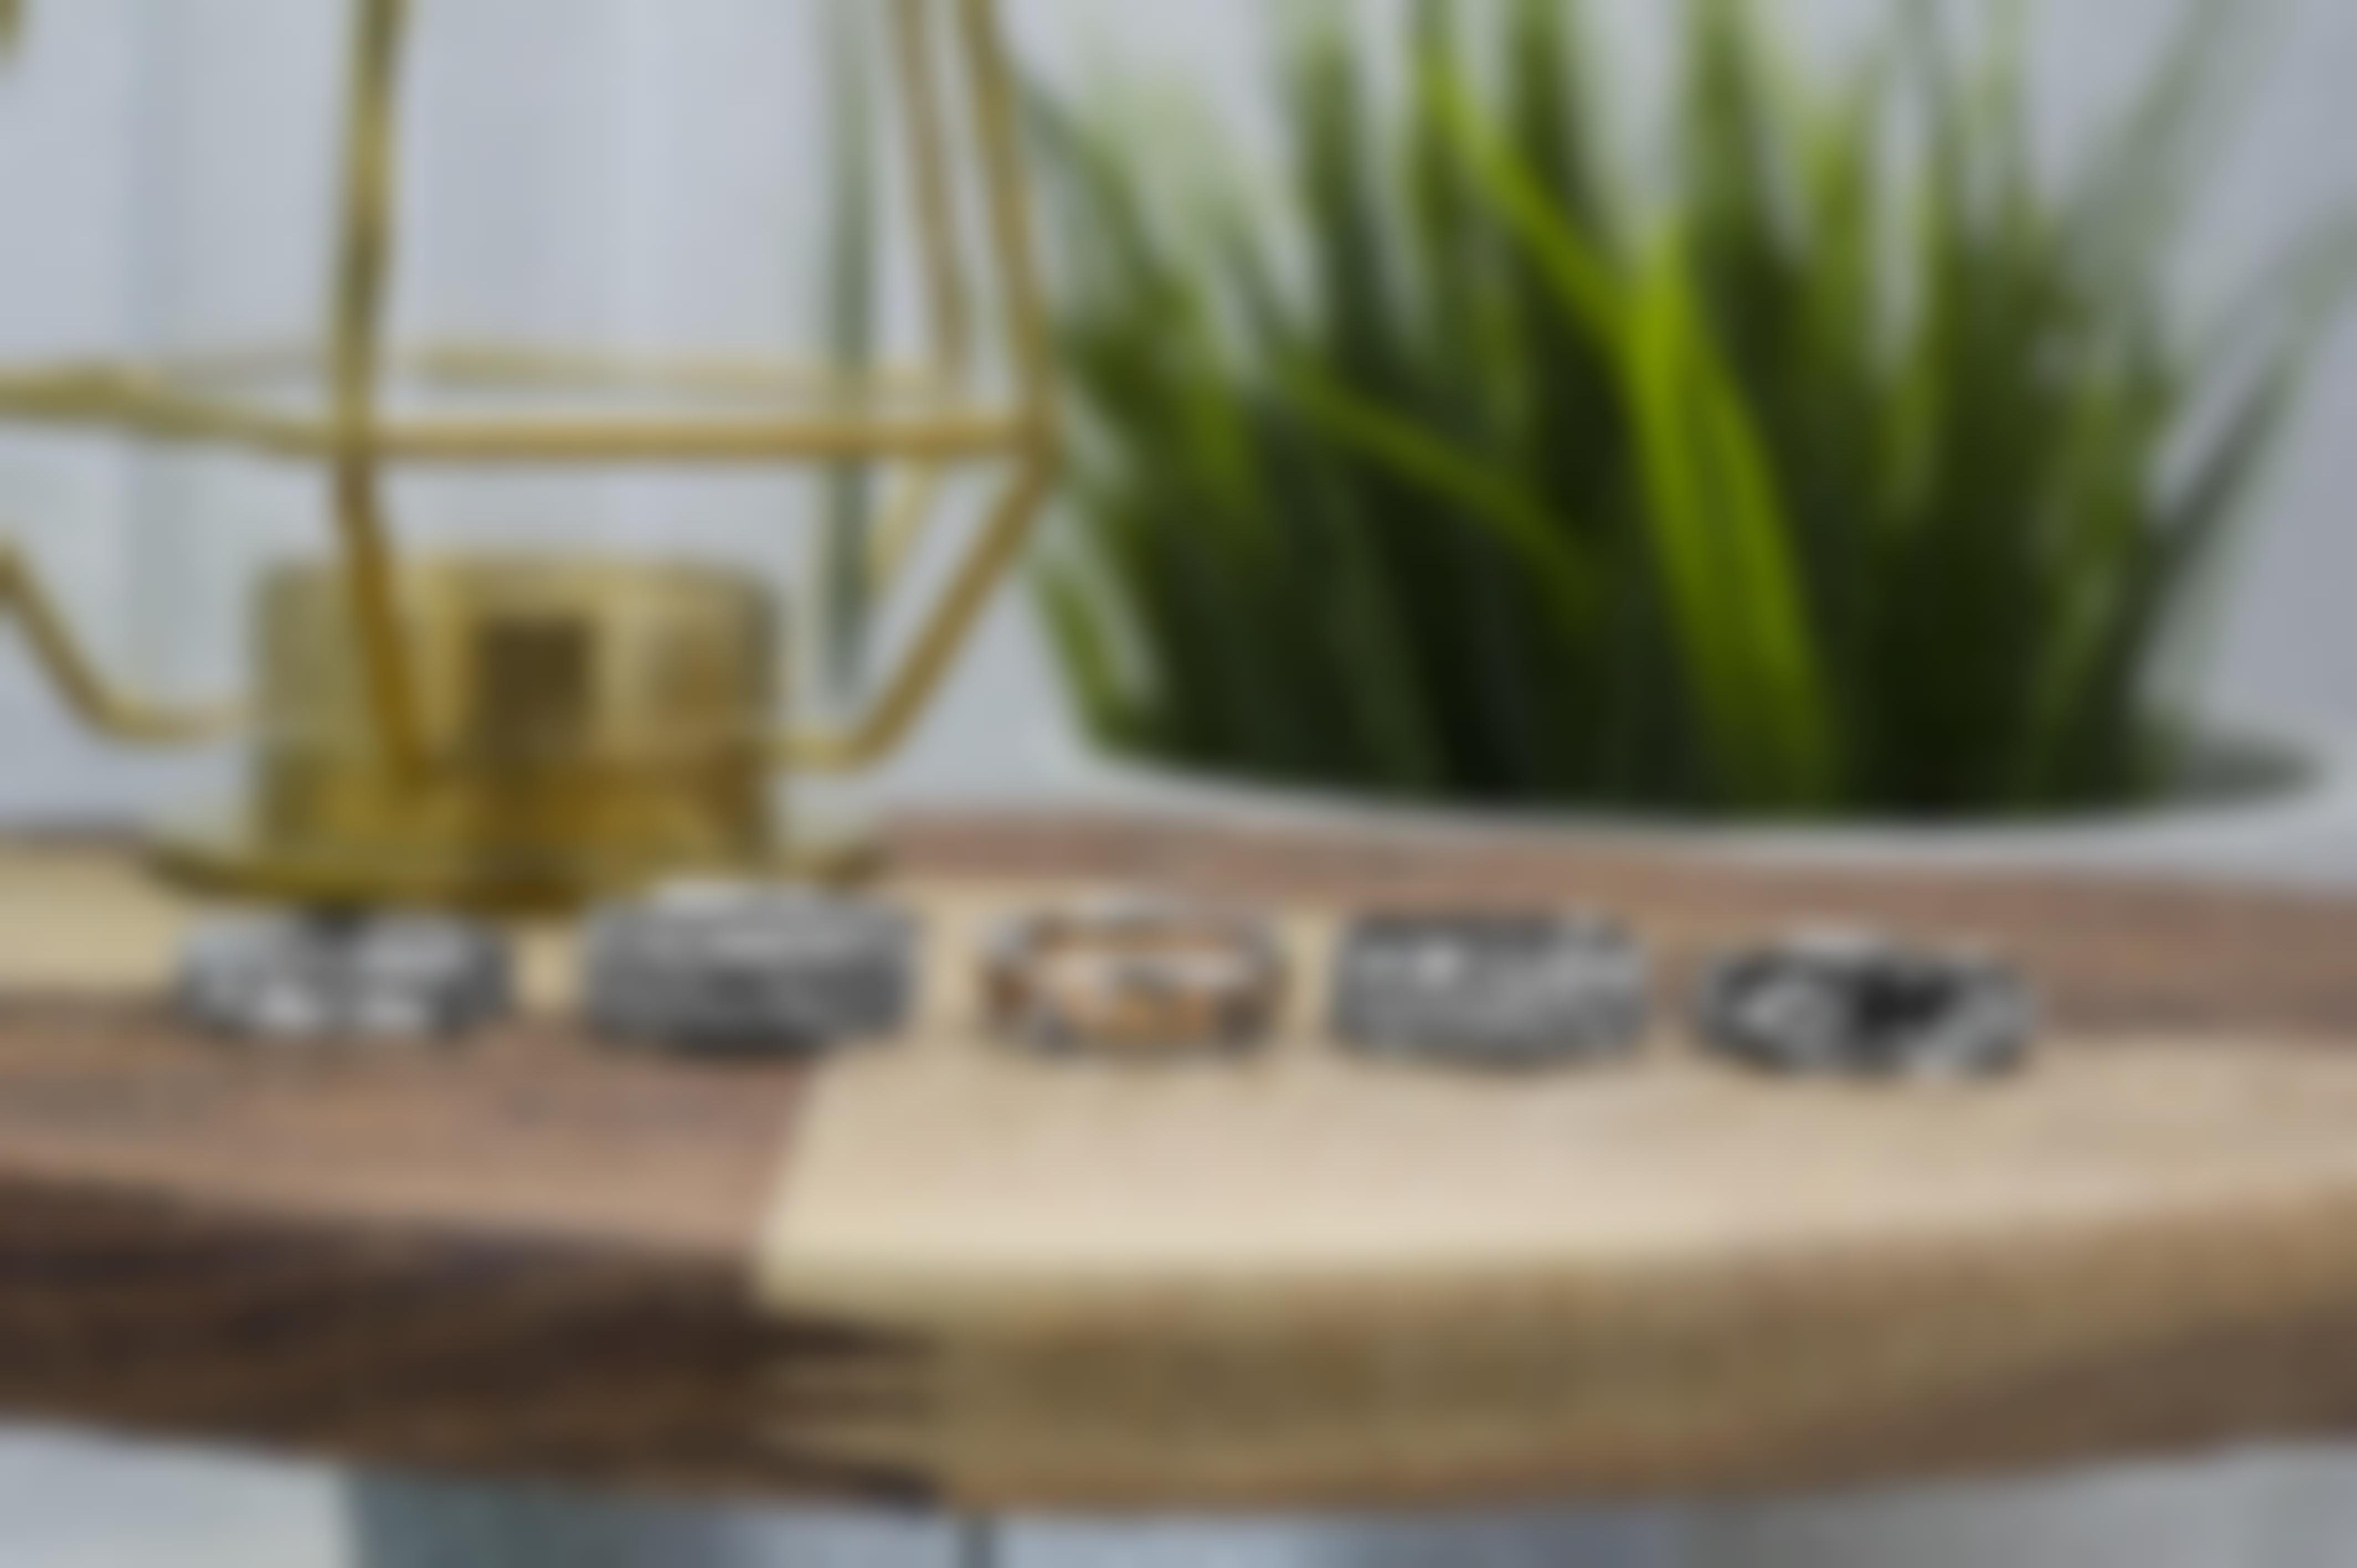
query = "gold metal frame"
x=926 y=416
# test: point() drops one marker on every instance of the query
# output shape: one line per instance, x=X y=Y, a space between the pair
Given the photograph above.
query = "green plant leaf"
x=1075 y=622
x=1585 y=281
x=1415 y=473
x=1721 y=540
x=1720 y=537
x=1521 y=520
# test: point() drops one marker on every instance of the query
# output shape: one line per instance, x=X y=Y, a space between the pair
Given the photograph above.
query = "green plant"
x=1855 y=469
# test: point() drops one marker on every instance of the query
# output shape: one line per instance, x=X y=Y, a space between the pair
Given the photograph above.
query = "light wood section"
x=1312 y=1281
x=1318 y=1283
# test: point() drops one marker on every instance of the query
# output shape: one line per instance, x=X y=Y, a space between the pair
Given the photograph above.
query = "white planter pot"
x=2280 y=810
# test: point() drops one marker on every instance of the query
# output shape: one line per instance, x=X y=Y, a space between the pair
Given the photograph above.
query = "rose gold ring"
x=1134 y=977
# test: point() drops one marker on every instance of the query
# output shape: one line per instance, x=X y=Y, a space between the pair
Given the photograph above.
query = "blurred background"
x=620 y=180
x=1909 y=300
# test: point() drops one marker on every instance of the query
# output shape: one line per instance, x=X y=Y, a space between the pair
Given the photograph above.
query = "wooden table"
x=938 y=1272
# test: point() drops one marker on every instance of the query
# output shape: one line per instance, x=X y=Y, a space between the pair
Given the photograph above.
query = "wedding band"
x=733 y=968
x=289 y=979
x=1858 y=1004
x=1134 y=977
x=1490 y=991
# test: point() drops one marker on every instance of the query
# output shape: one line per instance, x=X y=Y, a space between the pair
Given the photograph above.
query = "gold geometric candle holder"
x=497 y=729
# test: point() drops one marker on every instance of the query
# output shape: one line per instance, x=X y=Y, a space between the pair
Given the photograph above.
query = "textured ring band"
x=299 y=979
x=730 y=968
x=1134 y=977
x=1862 y=1003
x=1491 y=990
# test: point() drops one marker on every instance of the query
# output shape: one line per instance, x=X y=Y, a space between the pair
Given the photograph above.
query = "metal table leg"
x=403 y=1523
x=398 y=1523
x=978 y=1544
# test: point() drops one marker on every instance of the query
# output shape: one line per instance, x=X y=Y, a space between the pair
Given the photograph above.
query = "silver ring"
x=298 y=978
x=1502 y=991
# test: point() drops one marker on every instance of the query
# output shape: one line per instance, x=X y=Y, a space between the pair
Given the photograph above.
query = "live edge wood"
x=535 y=1259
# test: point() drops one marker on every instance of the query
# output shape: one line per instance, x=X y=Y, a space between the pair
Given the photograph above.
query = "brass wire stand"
x=926 y=419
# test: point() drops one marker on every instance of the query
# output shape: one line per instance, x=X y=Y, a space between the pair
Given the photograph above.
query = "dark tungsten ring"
x=1862 y=1005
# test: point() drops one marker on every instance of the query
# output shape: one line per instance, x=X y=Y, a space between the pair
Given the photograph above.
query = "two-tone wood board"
x=942 y=1270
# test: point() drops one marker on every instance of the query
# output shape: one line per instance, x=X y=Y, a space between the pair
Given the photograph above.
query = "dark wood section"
x=528 y=1132
x=444 y=1350
x=524 y=1259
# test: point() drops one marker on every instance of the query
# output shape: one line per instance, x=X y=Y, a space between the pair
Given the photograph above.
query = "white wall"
x=158 y=157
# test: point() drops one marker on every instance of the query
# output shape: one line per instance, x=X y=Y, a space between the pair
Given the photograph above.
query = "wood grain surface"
x=534 y=1258
x=2113 y=953
x=525 y=1258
